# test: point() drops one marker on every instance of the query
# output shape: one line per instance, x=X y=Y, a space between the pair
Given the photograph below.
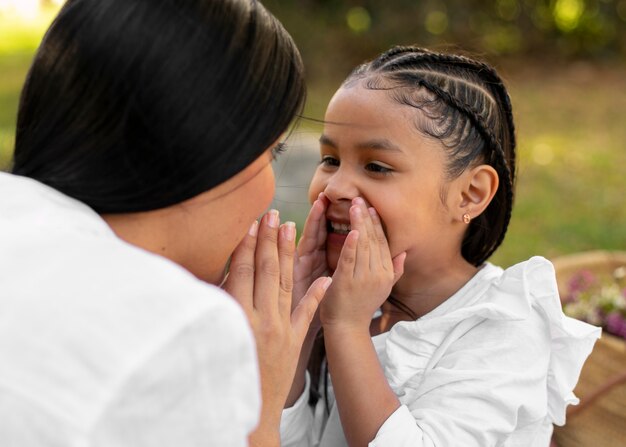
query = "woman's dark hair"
x=463 y=103
x=134 y=105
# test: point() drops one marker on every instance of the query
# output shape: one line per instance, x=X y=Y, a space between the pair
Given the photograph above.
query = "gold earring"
x=466 y=218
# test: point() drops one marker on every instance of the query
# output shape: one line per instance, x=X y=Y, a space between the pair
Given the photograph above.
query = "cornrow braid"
x=467 y=107
x=392 y=53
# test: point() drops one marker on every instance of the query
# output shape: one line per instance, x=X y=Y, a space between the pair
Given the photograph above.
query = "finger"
x=314 y=231
x=362 y=262
x=267 y=267
x=381 y=239
x=240 y=281
x=374 y=251
x=286 y=251
x=305 y=310
x=398 y=266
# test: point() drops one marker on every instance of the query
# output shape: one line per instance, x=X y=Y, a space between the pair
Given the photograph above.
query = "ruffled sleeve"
x=497 y=360
x=571 y=340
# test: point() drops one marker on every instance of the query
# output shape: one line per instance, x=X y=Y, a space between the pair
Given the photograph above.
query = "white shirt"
x=494 y=365
x=104 y=344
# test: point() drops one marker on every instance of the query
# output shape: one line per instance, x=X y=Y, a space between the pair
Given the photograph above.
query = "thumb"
x=304 y=312
x=398 y=266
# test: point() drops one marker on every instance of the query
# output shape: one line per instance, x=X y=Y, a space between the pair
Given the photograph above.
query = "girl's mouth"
x=337 y=233
x=338 y=228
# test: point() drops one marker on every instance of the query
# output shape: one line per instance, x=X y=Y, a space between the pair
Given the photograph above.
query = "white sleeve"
x=296 y=423
x=200 y=387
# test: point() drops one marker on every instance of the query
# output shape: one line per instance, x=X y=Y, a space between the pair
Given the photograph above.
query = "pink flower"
x=581 y=281
x=599 y=302
x=616 y=324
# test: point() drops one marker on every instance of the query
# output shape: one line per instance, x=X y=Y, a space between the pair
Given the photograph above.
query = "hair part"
x=132 y=105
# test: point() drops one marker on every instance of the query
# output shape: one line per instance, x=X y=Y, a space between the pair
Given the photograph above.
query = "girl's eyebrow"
x=380 y=144
x=326 y=141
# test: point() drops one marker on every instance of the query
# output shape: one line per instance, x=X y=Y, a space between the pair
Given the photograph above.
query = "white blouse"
x=105 y=344
x=494 y=365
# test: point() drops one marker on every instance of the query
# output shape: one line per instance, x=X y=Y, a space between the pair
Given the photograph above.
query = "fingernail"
x=327 y=282
x=272 y=218
x=372 y=211
x=358 y=201
x=290 y=230
x=320 y=195
x=254 y=228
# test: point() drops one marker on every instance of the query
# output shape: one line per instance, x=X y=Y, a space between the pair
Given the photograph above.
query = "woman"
x=142 y=159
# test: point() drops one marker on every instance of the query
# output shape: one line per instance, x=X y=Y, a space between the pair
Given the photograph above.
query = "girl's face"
x=370 y=147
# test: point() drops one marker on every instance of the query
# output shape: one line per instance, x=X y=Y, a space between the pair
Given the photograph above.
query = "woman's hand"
x=261 y=280
x=365 y=272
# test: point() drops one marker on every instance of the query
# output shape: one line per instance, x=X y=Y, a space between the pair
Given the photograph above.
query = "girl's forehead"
x=359 y=111
x=365 y=109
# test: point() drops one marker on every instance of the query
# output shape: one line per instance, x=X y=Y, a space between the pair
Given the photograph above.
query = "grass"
x=572 y=148
x=572 y=161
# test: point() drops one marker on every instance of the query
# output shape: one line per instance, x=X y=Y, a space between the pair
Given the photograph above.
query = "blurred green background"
x=564 y=62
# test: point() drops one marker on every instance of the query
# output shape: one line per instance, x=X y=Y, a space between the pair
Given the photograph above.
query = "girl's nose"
x=341 y=187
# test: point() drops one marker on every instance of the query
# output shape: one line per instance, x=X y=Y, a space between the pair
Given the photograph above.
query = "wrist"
x=346 y=329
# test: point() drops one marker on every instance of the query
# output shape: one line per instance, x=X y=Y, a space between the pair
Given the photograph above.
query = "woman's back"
x=102 y=343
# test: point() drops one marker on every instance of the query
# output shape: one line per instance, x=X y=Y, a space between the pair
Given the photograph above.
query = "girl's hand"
x=311 y=254
x=261 y=280
x=365 y=272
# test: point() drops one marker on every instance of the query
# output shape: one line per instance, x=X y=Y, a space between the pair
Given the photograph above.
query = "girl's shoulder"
x=500 y=294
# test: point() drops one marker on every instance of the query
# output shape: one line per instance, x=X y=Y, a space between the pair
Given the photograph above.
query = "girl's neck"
x=422 y=290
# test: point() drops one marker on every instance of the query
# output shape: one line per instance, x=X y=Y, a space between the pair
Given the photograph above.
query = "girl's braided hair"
x=465 y=105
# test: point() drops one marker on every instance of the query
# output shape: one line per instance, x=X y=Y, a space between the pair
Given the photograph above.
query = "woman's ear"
x=479 y=185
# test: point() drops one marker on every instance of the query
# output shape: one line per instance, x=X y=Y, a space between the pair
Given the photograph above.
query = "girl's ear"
x=478 y=188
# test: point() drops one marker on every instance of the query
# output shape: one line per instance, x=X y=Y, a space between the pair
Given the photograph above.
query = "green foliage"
x=19 y=38
x=537 y=29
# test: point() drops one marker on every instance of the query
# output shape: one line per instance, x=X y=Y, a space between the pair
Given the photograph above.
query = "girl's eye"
x=327 y=160
x=378 y=169
x=277 y=150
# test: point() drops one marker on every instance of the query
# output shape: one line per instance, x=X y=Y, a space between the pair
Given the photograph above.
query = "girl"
x=139 y=168
x=413 y=194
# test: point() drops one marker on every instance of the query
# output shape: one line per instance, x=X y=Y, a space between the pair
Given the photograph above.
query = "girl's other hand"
x=310 y=261
x=365 y=272
x=261 y=280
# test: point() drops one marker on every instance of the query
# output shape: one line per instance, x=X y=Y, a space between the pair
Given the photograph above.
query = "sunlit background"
x=564 y=62
x=25 y=9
